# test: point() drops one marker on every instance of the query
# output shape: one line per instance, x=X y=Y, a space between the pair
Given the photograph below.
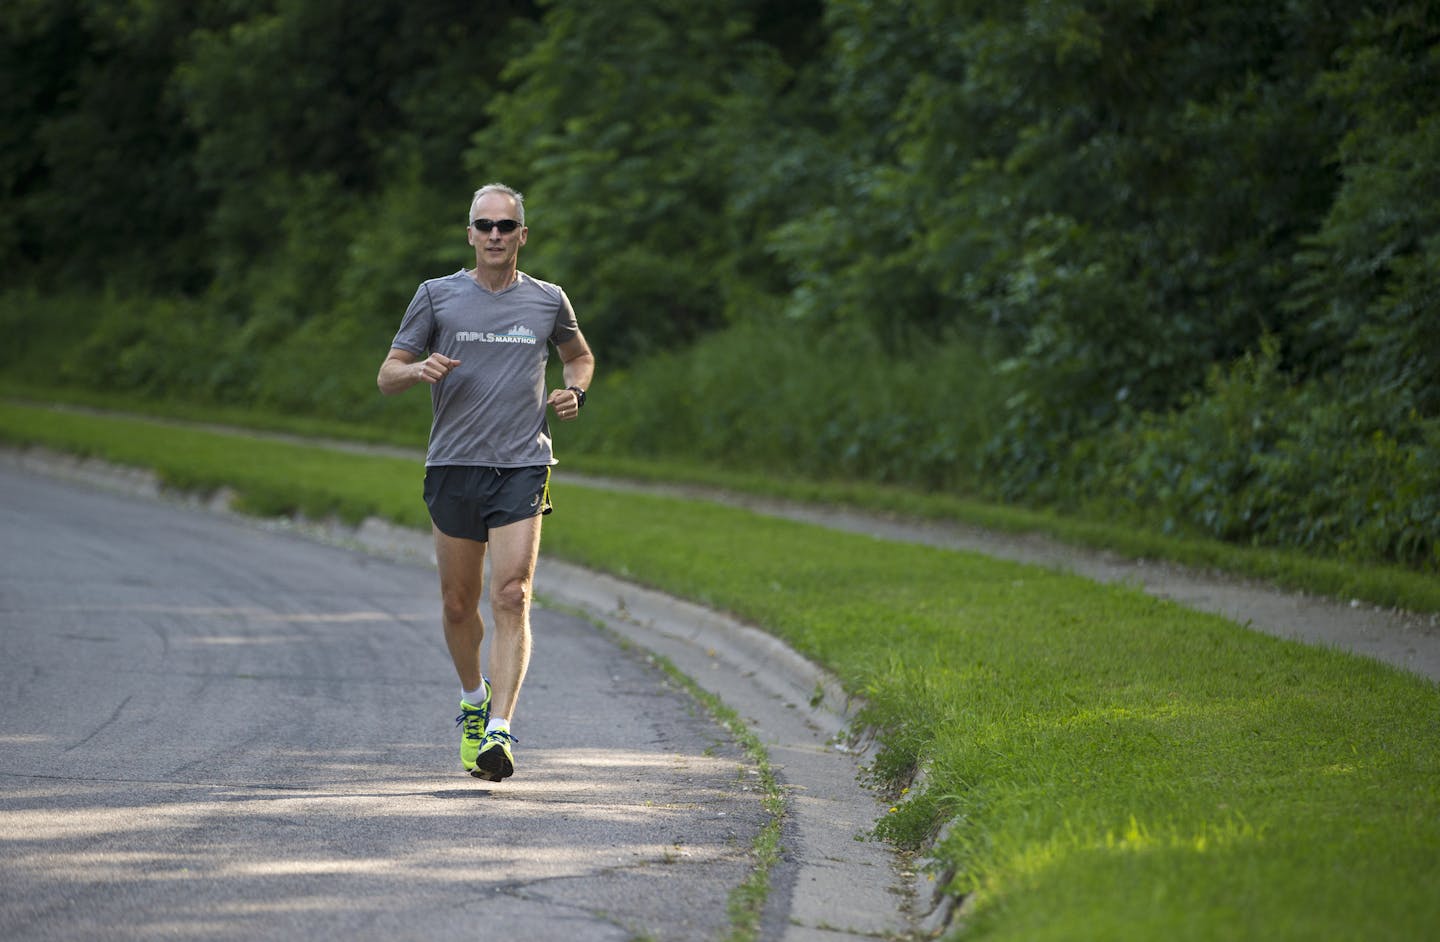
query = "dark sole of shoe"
x=502 y=771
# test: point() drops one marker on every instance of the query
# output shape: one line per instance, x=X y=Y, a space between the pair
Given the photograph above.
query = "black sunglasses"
x=504 y=225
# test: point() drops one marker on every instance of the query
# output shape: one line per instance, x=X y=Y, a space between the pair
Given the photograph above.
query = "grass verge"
x=1098 y=764
x=269 y=477
x=1389 y=586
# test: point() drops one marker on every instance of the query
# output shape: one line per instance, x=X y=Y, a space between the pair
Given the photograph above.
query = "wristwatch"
x=579 y=395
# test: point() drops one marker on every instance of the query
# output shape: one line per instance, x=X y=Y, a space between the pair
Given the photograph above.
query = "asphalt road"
x=211 y=730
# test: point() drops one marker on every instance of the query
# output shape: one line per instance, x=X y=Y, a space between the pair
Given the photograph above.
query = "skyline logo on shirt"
x=519 y=333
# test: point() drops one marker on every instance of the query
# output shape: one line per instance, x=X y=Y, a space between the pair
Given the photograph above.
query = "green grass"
x=1104 y=764
x=404 y=420
x=1389 y=586
x=270 y=477
x=1093 y=762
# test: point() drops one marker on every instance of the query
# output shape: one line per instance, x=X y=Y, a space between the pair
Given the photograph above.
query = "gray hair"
x=511 y=192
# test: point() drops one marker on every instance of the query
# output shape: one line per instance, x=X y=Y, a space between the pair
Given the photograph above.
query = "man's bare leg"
x=462 y=575
x=513 y=551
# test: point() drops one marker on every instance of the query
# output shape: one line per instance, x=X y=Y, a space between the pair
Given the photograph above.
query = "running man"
x=479 y=339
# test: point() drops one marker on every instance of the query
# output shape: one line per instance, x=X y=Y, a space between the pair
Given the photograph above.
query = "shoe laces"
x=501 y=734
x=474 y=726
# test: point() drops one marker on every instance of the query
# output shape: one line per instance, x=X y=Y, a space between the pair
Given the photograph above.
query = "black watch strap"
x=579 y=396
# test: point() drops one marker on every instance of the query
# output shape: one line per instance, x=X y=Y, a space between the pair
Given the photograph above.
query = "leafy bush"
x=1332 y=467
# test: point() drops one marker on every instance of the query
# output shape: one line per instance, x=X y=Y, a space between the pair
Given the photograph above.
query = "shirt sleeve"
x=565 y=325
x=417 y=328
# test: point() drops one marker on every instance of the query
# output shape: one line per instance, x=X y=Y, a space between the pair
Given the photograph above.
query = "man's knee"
x=511 y=596
x=457 y=606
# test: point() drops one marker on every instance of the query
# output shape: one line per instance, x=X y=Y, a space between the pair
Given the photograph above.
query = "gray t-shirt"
x=489 y=410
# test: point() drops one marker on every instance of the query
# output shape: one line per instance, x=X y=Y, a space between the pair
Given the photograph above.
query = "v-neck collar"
x=470 y=277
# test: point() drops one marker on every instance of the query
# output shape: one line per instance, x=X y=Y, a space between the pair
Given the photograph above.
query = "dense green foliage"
x=1171 y=260
x=1250 y=458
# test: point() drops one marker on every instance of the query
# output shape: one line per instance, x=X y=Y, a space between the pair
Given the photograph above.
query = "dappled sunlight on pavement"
x=220 y=733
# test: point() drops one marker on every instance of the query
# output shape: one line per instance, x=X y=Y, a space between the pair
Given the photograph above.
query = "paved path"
x=212 y=731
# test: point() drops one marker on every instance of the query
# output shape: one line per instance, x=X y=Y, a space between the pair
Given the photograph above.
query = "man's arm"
x=579 y=361
x=400 y=370
x=579 y=371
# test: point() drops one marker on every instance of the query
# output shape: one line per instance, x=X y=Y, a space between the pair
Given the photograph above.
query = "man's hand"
x=435 y=367
x=565 y=403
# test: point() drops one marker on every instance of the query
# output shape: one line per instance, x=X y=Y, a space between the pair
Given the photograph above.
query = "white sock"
x=497 y=722
x=474 y=697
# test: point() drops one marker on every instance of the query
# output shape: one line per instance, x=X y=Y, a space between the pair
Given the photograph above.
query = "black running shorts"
x=467 y=501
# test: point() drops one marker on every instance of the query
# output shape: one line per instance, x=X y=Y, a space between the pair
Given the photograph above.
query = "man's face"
x=495 y=249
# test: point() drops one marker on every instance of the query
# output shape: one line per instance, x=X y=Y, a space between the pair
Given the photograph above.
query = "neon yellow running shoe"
x=495 y=761
x=472 y=720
